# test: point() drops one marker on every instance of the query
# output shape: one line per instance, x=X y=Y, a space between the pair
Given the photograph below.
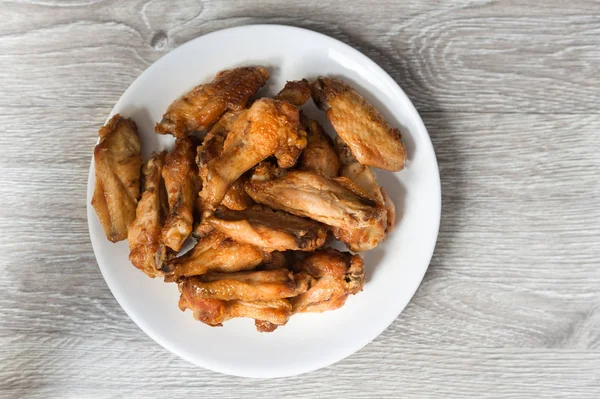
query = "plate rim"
x=351 y=349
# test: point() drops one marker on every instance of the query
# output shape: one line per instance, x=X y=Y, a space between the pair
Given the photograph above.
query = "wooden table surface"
x=510 y=93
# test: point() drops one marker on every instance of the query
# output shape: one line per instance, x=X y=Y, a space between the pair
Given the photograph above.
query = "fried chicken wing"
x=356 y=219
x=214 y=312
x=212 y=147
x=370 y=138
x=203 y=105
x=269 y=127
x=296 y=92
x=247 y=286
x=181 y=181
x=319 y=155
x=236 y=197
x=363 y=177
x=269 y=230
x=336 y=276
x=117 y=163
x=144 y=232
x=215 y=252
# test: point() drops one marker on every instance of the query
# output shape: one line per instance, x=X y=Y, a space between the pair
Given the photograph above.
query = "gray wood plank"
x=473 y=56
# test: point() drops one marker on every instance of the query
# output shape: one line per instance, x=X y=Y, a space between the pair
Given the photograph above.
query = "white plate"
x=394 y=269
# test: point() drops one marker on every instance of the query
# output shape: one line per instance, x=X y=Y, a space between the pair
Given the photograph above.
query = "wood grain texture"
x=510 y=306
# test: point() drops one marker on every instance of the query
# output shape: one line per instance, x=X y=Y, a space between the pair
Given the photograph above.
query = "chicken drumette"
x=214 y=312
x=335 y=275
x=214 y=252
x=319 y=155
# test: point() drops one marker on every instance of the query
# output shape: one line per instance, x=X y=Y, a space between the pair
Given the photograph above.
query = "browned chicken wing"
x=356 y=219
x=144 y=231
x=236 y=197
x=117 y=163
x=181 y=181
x=212 y=147
x=370 y=138
x=201 y=107
x=296 y=92
x=269 y=127
x=215 y=252
x=336 y=276
x=390 y=207
x=247 y=286
x=319 y=155
x=363 y=177
x=270 y=230
x=214 y=312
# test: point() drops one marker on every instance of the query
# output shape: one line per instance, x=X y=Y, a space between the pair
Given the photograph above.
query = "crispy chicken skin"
x=203 y=105
x=296 y=92
x=214 y=312
x=247 y=286
x=211 y=148
x=335 y=274
x=117 y=163
x=215 y=252
x=363 y=177
x=269 y=127
x=356 y=219
x=144 y=232
x=180 y=174
x=319 y=155
x=370 y=138
x=236 y=197
x=270 y=230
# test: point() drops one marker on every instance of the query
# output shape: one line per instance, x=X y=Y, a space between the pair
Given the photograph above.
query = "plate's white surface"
x=394 y=269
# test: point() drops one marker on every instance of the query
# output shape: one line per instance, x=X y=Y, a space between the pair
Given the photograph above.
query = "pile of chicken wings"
x=262 y=190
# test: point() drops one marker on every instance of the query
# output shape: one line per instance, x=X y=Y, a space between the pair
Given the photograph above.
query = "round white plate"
x=394 y=269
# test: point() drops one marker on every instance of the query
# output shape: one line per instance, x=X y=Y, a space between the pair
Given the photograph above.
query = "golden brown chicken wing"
x=215 y=252
x=181 y=181
x=247 y=286
x=336 y=276
x=319 y=155
x=212 y=147
x=269 y=127
x=214 y=312
x=370 y=138
x=201 y=107
x=270 y=230
x=144 y=231
x=236 y=197
x=296 y=92
x=117 y=163
x=356 y=219
x=363 y=177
